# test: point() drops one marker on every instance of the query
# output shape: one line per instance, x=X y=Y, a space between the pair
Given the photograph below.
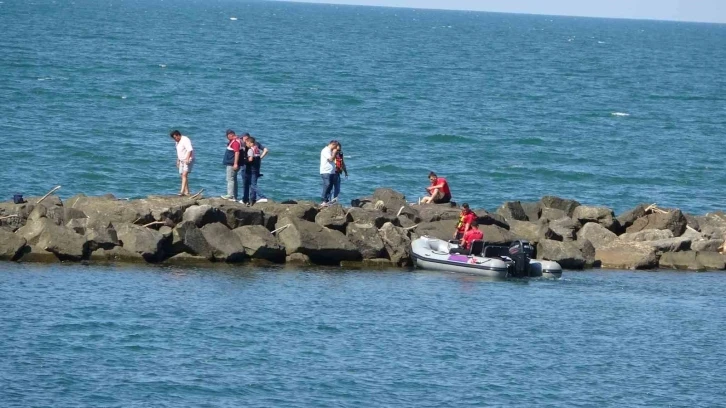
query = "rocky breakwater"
x=375 y=230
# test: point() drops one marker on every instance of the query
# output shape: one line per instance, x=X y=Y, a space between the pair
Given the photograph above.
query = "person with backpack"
x=339 y=169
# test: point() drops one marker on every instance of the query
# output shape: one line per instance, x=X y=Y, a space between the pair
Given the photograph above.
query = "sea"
x=507 y=107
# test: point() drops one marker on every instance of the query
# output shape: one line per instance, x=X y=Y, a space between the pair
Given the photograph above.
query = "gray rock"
x=405 y=222
x=365 y=237
x=397 y=243
x=100 y=235
x=601 y=215
x=333 y=217
x=303 y=210
x=437 y=229
x=236 y=214
x=496 y=235
x=259 y=243
x=64 y=243
x=321 y=245
x=11 y=246
x=112 y=210
x=566 y=228
x=627 y=255
x=627 y=218
x=116 y=254
x=526 y=230
x=17 y=215
x=375 y=217
x=596 y=234
x=567 y=254
x=646 y=235
x=34 y=228
x=566 y=205
x=202 y=215
x=184 y=258
x=392 y=200
x=227 y=246
x=711 y=245
x=588 y=252
x=436 y=212
x=34 y=254
x=692 y=221
x=693 y=260
x=187 y=237
x=484 y=217
x=532 y=210
x=298 y=259
x=550 y=214
x=670 y=244
x=674 y=221
x=712 y=226
x=512 y=211
x=148 y=243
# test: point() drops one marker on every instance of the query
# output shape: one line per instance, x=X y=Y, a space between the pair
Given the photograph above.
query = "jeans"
x=251 y=192
x=328 y=182
x=336 y=185
x=232 y=186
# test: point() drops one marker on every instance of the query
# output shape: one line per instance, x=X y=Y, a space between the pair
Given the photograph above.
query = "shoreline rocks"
x=377 y=230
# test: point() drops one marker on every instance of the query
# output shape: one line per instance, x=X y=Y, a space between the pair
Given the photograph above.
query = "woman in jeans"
x=339 y=169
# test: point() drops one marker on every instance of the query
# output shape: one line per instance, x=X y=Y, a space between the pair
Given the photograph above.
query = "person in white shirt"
x=184 y=158
x=327 y=169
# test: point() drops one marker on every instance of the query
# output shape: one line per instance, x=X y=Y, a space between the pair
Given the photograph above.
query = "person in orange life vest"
x=466 y=219
x=471 y=235
x=439 y=192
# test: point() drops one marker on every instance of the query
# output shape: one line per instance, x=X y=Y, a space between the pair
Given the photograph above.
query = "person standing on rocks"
x=327 y=170
x=439 y=192
x=232 y=162
x=247 y=176
x=184 y=158
x=339 y=170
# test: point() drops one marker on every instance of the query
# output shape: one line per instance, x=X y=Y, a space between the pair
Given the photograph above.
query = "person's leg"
x=329 y=190
x=260 y=194
x=245 y=186
x=253 y=187
x=231 y=183
x=186 y=169
x=336 y=186
x=326 y=188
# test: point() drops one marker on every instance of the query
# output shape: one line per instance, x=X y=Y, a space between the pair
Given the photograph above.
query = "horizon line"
x=333 y=3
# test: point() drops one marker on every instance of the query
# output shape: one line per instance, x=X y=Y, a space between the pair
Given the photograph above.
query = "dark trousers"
x=328 y=183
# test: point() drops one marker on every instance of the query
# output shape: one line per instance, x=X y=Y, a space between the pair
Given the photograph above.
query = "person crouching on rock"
x=466 y=221
x=470 y=236
x=438 y=191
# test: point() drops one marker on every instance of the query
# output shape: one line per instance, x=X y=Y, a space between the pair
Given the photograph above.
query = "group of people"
x=243 y=155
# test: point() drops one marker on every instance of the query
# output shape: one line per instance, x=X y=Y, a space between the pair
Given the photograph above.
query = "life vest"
x=339 y=162
x=229 y=154
x=462 y=220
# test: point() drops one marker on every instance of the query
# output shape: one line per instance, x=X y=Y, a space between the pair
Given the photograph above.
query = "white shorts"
x=185 y=168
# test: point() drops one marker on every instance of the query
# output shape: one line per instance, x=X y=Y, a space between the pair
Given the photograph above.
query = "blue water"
x=506 y=106
x=166 y=337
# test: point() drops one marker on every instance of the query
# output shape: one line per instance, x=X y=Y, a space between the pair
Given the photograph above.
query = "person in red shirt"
x=471 y=235
x=466 y=218
x=438 y=191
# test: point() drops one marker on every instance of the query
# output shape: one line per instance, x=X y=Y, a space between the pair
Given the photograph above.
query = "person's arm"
x=236 y=160
x=264 y=151
x=190 y=149
x=345 y=169
x=331 y=158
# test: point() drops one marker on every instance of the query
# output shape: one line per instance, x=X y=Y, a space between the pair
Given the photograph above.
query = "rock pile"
x=375 y=230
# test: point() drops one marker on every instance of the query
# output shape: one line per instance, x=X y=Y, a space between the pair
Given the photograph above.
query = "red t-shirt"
x=472 y=235
x=465 y=219
x=444 y=188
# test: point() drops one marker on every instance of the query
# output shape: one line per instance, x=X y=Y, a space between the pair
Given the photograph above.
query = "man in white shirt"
x=327 y=169
x=184 y=158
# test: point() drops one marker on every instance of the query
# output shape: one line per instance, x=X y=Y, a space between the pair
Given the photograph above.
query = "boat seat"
x=496 y=251
x=477 y=247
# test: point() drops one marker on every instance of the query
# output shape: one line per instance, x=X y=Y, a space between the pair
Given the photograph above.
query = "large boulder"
x=187 y=237
x=525 y=230
x=321 y=245
x=567 y=254
x=260 y=243
x=627 y=218
x=397 y=243
x=64 y=243
x=334 y=217
x=566 y=228
x=601 y=215
x=566 y=205
x=148 y=243
x=512 y=211
x=532 y=209
x=392 y=200
x=365 y=237
x=484 y=217
x=110 y=209
x=627 y=255
x=11 y=246
x=693 y=260
x=437 y=229
x=167 y=209
x=496 y=235
x=598 y=235
x=303 y=210
x=713 y=225
x=646 y=235
x=670 y=244
x=236 y=214
x=226 y=245
x=707 y=245
x=202 y=215
x=14 y=216
x=32 y=230
x=673 y=220
x=436 y=212
x=100 y=234
x=116 y=254
x=375 y=217
x=550 y=214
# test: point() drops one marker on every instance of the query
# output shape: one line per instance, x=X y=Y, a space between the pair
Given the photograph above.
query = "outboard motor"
x=521 y=252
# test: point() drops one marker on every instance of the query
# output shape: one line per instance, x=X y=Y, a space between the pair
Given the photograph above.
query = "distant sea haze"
x=507 y=107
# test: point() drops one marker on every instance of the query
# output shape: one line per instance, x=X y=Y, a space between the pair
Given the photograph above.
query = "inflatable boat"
x=498 y=261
